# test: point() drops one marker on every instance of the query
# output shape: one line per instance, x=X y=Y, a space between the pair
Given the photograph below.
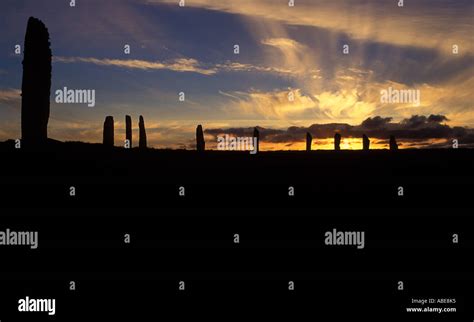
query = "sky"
x=290 y=76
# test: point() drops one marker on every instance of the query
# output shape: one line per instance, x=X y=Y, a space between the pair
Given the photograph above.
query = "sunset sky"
x=283 y=49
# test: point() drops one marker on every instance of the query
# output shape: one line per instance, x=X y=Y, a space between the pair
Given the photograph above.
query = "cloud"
x=403 y=48
x=177 y=65
x=355 y=95
x=416 y=131
x=344 y=104
x=275 y=105
x=241 y=67
x=417 y=121
x=376 y=122
x=284 y=44
x=290 y=54
x=422 y=23
x=437 y=118
x=10 y=94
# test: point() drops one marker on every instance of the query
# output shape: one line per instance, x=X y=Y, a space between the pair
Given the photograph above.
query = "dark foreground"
x=408 y=238
x=101 y=177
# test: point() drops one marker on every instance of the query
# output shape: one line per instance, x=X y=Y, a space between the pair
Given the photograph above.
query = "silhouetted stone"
x=109 y=131
x=142 y=135
x=36 y=84
x=309 y=141
x=337 y=142
x=365 y=142
x=200 y=143
x=128 y=129
x=393 y=143
x=256 y=134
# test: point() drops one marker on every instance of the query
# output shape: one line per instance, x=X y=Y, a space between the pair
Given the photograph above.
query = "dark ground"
x=439 y=178
x=121 y=191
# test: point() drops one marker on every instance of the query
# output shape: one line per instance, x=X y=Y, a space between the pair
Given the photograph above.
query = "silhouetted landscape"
x=365 y=177
x=239 y=160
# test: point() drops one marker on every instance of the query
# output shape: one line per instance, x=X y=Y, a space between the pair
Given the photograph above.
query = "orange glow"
x=346 y=144
x=324 y=144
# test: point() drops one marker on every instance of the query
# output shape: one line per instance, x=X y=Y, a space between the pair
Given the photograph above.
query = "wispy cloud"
x=422 y=23
x=290 y=54
x=275 y=105
x=182 y=65
x=10 y=94
x=177 y=65
x=240 y=67
x=283 y=43
x=352 y=97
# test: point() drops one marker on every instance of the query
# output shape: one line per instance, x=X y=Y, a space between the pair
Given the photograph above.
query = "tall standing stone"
x=36 y=84
x=393 y=143
x=200 y=143
x=128 y=129
x=142 y=133
x=109 y=131
x=365 y=142
x=256 y=135
x=337 y=142
x=309 y=141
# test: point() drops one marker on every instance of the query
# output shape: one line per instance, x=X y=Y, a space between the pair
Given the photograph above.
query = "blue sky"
x=282 y=49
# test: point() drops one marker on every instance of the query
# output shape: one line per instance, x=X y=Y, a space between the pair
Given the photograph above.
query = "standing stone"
x=309 y=141
x=109 y=131
x=128 y=129
x=142 y=135
x=200 y=143
x=365 y=142
x=256 y=134
x=36 y=84
x=337 y=142
x=393 y=143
